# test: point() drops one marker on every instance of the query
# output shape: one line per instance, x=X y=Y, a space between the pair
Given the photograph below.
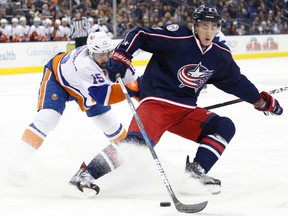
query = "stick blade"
x=190 y=208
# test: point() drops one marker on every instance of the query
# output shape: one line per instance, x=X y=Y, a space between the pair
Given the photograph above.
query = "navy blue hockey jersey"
x=179 y=68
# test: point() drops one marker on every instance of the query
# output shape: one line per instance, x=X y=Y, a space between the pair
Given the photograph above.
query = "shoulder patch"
x=172 y=27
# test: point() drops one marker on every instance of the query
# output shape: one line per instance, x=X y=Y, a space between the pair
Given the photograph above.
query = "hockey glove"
x=133 y=89
x=268 y=105
x=118 y=63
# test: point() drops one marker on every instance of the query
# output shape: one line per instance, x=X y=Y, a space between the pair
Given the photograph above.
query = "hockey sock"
x=210 y=150
x=106 y=161
x=33 y=136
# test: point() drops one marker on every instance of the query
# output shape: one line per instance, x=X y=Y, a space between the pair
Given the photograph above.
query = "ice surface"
x=253 y=169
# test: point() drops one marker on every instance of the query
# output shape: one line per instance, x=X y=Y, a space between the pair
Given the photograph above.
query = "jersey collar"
x=200 y=46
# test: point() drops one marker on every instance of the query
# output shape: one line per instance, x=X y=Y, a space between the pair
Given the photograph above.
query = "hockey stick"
x=274 y=91
x=187 y=208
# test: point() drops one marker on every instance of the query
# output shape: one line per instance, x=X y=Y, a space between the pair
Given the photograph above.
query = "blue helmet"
x=207 y=13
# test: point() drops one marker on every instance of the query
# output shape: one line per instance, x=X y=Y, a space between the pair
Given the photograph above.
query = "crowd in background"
x=50 y=20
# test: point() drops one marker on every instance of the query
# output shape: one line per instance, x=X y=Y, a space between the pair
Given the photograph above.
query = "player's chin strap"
x=274 y=91
x=187 y=208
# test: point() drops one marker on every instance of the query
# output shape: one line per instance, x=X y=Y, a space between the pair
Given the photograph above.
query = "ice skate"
x=198 y=173
x=85 y=182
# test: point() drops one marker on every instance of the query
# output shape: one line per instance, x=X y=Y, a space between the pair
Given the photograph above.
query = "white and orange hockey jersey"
x=85 y=80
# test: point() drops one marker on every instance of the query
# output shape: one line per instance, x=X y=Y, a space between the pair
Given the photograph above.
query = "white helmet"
x=22 y=18
x=37 y=19
x=91 y=20
x=14 y=20
x=99 y=42
x=57 y=22
x=4 y=20
x=64 y=19
x=48 y=21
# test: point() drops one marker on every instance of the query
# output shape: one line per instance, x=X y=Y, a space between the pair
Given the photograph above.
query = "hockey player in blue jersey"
x=182 y=62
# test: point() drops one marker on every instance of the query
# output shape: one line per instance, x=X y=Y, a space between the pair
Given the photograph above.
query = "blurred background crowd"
x=52 y=20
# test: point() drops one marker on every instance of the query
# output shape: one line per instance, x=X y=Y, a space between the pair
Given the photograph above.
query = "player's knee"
x=226 y=128
x=46 y=120
x=112 y=128
x=134 y=138
x=221 y=126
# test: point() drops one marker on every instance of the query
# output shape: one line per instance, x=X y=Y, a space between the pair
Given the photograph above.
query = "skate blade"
x=191 y=186
x=71 y=191
x=213 y=189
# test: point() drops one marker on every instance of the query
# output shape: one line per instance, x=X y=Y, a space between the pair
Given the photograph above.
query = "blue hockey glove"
x=118 y=63
x=268 y=105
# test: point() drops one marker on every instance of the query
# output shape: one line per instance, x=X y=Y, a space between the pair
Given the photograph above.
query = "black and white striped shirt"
x=79 y=28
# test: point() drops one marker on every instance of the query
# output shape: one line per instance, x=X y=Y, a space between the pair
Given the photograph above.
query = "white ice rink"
x=253 y=169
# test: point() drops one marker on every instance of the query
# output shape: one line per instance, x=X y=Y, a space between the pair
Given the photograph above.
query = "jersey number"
x=97 y=78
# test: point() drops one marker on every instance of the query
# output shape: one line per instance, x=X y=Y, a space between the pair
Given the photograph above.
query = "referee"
x=79 y=29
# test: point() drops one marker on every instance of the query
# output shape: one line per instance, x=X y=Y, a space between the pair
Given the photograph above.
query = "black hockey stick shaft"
x=274 y=91
x=187 y=208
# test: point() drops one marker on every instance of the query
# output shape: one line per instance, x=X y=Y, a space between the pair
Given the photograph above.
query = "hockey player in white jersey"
x=220 y=37
x=77 y=75
x=24 y=29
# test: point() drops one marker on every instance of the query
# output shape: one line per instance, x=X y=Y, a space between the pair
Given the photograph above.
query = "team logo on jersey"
x=125 y=43
x=54 y=96
x=193 y=76
x=172 y=27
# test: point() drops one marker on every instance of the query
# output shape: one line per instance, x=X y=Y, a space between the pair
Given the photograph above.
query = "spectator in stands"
x=262 y=29
x=241 y=30
x=30 y=17
x=45 y=11
x=269 y=28
x=67 y=15
x=121 y=28
x=278 y=24
x=139 y=11
x=55 y=10
x=234 y=28
x=255 y=25
x=102 y=25
x=93 y=26
x=249 y=13
x=167 y=8
x=38 y=4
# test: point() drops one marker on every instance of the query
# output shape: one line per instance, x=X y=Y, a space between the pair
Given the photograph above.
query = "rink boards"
x=30 y=57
